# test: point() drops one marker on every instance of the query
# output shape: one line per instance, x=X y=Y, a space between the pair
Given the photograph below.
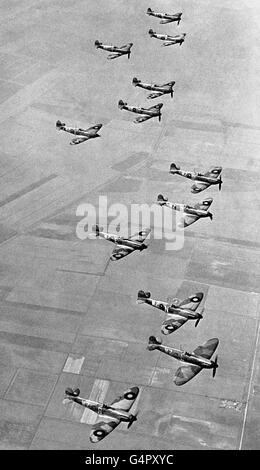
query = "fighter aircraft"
x=159 y=90
x=153 y=111
x=197 y=360
x=178 y=311
x=124 y=246
x=85 y=134
x=169 y=40
x=112 y=414
x=203 y=180
x=190 y=213
x=117 y=51
x=166 y=18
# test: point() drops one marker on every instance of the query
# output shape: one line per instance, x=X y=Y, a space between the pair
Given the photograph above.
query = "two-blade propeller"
x=220 y=184
x=200 y=316
x=215 y=365
x=133 y=418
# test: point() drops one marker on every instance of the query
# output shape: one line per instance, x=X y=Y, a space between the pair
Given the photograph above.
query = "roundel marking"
x=169 y=327
x=99 y=432
x=195 y=299
x=129 y=395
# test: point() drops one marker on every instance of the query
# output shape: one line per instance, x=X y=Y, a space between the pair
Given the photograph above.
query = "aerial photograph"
x=129 y=234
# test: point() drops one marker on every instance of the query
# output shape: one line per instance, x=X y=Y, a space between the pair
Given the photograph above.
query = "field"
x=68 y=316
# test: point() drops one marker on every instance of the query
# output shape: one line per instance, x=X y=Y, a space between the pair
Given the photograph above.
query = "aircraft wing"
x=186 y=373
x=143 y=118
x=166 y=20
x=214 y=173
x=102 y=428
x=156 y=94
x=207 y=349
x=192 y=302
x=155 y=108
x=204 y=205
x=187 y=220
x=198 y=187
x=169 y=42
x=120 y=251
x=125 y=401
x=114 y=56
x=172 y=323
x=140 y=236
x=79 y=140
x=93 y=130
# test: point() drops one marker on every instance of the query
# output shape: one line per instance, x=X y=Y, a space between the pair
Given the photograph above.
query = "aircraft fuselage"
x=167 y=308
x=102 y=409
x=123 y=241
x=187 y=209
x=141 y=110
x=112 y=49
x=197 y=176
x=76 y=131
x=161 y=89
x=186 y=357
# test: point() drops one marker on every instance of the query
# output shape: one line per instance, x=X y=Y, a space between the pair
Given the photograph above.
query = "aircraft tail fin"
x=59 y=124
x=98 y=44
x=161 y=199
x=151 y=32
x=149 y=11
x=153 y=343
x=174 y=168
x=135 y=81
x=72 y=392
x=98 y=229
x=121 y=104
x=143 y=295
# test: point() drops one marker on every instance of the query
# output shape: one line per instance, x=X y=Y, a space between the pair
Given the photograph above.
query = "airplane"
x=124 y=246
x=117 y=51
x=203 y=180
x=191 y=213
x=115 y=413
x=169 y=40
x=153 y=111
x=159 y=90
x=166 y=18
x=197 y=360
x=85 y=134
x=178 y=311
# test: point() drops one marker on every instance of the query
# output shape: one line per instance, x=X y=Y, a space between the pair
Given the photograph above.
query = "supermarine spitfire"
x=117 y=51
x=178 y=311
x=166 y=18
x=169 y=40
x=203 y=180
x=124 y=246
x=153 y=111
x=190 y=213
x=85 y=134
x=112 y=415
x=197 y=360
x=159 y=90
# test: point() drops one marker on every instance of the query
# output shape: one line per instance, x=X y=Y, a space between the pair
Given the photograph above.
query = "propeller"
x=220 y=184
x=198 y=320
x=171 y=93
x=160 y=117
x=210 y=215
x=215 y=366
x=200 y=316
x=132 y=419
